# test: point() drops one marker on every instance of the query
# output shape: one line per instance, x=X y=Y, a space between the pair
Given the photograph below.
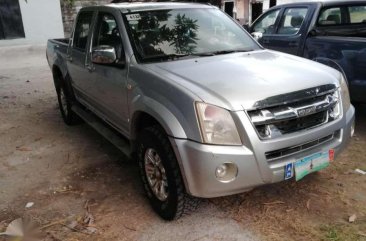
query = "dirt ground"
x=82 y=188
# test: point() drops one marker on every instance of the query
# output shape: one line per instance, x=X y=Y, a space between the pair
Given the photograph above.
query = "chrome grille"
x=302 y=147
x=319 y=106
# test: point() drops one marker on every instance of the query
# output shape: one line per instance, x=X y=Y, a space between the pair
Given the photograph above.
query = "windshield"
x=180 y=32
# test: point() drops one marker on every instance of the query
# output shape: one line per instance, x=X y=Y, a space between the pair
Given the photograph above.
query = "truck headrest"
x=296 y=21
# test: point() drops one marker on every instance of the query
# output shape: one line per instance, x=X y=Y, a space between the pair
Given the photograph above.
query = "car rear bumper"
x=198 y=162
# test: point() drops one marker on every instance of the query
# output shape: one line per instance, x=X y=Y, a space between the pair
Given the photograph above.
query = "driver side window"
x=266 y=25
x=107 y=34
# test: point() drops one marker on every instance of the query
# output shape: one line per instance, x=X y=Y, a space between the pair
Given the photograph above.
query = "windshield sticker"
x=133 y=17
x=132 y=22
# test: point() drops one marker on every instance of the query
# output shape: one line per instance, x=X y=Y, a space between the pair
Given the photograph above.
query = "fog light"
x=353 y=129
x=226 y=172
x=221 y=171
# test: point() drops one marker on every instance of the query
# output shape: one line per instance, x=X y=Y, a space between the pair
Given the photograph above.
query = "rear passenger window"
x=292 y=20
x=330 y=16
x=357 y=14
x=82 y=30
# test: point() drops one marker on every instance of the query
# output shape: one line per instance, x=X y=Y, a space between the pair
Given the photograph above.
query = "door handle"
x=69 y=58
x=293 y=44
x=265 y=41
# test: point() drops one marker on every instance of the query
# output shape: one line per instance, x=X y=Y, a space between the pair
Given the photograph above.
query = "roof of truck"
x=326 y=2
x=143 y=6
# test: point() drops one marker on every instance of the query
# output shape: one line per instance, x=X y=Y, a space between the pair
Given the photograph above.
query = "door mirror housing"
x=104 y=54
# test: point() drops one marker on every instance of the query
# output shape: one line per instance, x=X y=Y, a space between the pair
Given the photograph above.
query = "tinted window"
x=357 y=14
x=266 y=24
x=184 y=32
x=292 y=20
x=330 y=16
x=107 y=33
x=82 y=30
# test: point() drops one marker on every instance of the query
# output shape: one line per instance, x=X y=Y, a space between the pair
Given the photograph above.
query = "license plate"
x=310 y=164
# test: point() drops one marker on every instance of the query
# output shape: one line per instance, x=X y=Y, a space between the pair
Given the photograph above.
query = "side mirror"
x=257 y=35
x=104 y=54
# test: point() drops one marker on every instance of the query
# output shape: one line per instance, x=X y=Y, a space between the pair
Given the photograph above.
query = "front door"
x=109 y=89
x=229 y=8
x=264 y=28
x=11 y=23
x=289 y=35
x=77 y=56
x=257 y=10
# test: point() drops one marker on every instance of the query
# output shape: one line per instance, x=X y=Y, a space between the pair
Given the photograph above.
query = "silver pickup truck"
x=205 y=110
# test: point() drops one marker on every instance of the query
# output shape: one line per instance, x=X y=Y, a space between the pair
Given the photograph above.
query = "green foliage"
x=68 y=3
x=182 y=36
x=332 y=235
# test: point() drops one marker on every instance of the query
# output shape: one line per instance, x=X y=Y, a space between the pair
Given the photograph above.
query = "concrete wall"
x=41 y=20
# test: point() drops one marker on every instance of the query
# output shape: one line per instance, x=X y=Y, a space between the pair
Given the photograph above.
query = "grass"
x=344 y=232
x=332 y=234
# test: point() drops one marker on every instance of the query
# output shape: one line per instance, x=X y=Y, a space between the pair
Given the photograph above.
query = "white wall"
x=41 y=20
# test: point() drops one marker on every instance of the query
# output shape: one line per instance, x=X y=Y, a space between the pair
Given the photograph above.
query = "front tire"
x=161 y=175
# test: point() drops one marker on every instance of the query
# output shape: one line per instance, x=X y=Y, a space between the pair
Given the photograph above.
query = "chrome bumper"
x=198 y=162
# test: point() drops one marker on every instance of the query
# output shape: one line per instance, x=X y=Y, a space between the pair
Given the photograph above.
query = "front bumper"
x=198 y=161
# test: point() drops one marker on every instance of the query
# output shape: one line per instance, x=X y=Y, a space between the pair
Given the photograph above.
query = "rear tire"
x=65 y=103
x=169 y=198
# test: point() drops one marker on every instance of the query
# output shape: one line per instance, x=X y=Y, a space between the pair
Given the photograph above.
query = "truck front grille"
x=281 y=115
x=302 y=147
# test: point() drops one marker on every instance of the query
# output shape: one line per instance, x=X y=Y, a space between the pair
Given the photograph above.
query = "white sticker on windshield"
x=133 y=22
x=133 y=17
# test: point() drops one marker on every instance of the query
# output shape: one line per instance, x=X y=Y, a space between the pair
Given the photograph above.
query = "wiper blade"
x=178 y=55
x=165 y=56
x=231 y=51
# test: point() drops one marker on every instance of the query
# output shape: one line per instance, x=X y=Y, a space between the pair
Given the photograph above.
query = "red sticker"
x=331 y=155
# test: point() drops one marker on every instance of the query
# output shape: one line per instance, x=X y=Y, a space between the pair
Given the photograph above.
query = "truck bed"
x=57 y=53
x=60 y=40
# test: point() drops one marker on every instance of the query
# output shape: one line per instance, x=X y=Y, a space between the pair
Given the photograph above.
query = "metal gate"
x=11 y=23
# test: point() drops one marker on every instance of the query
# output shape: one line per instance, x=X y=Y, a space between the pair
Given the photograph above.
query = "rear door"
x=77 y=55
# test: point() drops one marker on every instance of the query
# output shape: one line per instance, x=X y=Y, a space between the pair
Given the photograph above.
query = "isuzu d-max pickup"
x=204 y=109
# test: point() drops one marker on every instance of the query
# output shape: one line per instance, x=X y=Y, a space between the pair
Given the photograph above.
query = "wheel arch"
x=57 y=76
x=147 y=111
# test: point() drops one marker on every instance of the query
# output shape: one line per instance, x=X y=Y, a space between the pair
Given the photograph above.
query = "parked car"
x=205 y=109
x=329 y=32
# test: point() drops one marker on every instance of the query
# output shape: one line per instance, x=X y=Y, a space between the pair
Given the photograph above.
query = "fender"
x=158 y=111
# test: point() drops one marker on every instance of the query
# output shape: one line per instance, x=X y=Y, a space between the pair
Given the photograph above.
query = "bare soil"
x=84 y=189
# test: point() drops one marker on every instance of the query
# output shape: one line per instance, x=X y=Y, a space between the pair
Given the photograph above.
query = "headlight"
x=217 y=125
x=345 y=93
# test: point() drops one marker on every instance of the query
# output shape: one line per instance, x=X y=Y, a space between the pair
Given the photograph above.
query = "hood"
x=236 y=81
